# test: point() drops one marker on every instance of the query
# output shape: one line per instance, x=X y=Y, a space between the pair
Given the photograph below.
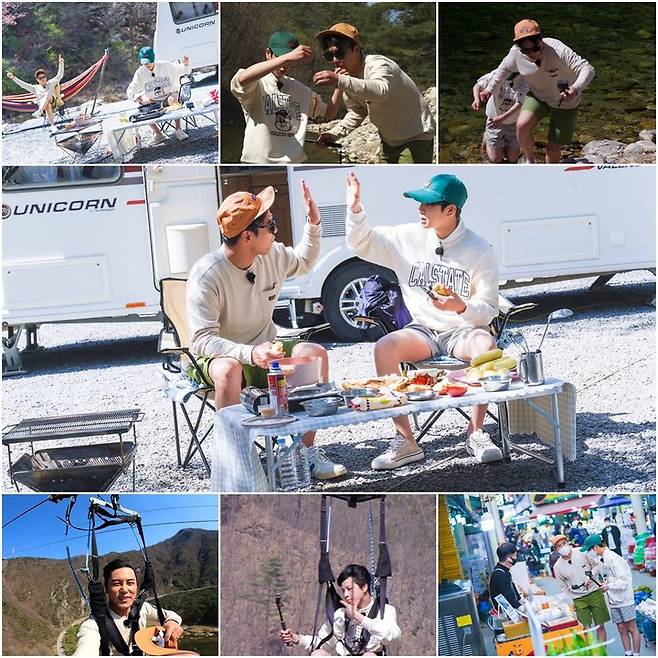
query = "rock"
x=607 y=149
x=648 y=135
x=589 y=159
x=641 y=152
x=363 y=144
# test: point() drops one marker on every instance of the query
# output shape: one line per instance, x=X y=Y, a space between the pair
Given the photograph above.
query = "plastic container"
x=287 y=469
x=278 y=389
x=299 y=454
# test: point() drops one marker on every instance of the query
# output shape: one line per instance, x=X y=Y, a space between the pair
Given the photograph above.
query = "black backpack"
x=382 y=299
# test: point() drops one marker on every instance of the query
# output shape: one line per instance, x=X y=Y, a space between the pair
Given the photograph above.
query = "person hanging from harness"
x=120 y=580
x=47 y=92
x=357 y=629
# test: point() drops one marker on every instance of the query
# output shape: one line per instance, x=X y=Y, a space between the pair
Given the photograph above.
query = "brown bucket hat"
x=239 y=209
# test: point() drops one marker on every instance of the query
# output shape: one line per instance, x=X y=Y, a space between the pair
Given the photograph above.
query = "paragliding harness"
x=102 y=515
x=326 y=577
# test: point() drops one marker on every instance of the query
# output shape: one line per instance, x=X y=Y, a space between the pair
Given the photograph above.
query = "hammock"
x=25 y=102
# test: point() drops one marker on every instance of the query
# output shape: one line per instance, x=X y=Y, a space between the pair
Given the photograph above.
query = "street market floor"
x=551 y=586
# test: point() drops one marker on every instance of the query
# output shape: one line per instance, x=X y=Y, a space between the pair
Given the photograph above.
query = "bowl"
x=420 y=396
x=322 y=406
x=350 y=393
x=456 y=390
x=494 y=383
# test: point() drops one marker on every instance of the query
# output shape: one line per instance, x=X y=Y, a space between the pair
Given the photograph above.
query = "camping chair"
x=498 y=329
x=174 y=345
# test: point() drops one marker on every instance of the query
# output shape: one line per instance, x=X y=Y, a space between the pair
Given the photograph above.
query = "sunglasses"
x=338 y=53
x=534 y=49
x=41 y=77
x=271 y=226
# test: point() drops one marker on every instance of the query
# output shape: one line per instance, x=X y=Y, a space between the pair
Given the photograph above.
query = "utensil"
x=322 y=406
x=555 y=315
x=494 y=383
x=531 y=368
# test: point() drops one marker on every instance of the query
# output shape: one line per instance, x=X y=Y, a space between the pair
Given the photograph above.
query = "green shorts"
x=251 y=375
x=592 y=609
x=418 y=151
x=563 y=122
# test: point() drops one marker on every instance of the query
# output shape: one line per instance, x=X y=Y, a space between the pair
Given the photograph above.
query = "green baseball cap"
x=146 y=55
x=442 y=188
x=591 y=542
x=281 y=43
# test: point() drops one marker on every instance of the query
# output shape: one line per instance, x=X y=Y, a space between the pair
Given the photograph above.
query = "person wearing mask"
x=612 y=536
x=573 y=570
x=501 y=579
x=618 y=587
x=582 y=533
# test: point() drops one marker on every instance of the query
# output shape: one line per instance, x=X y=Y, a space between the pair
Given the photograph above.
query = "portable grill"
x=92 y=467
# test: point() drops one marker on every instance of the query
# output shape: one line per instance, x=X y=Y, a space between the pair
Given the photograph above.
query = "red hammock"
x=25 y=102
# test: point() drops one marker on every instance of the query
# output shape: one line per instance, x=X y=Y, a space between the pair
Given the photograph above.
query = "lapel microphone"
x=251 y=277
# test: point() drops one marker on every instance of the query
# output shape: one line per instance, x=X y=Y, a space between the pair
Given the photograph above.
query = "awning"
x=567 y=506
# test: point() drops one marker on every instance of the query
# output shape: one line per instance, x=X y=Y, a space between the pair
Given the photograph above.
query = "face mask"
x=512 y=560
x=591 y=554
x=564 y=550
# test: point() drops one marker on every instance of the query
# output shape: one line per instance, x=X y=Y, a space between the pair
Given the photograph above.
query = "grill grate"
x=90 y=424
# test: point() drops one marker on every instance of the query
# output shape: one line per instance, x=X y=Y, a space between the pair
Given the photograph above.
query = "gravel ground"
x=607 y=350
x=201 y=147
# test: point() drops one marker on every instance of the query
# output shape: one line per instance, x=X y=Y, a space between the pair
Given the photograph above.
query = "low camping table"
x=92 y=467
x=236 y=466
x=122 y=136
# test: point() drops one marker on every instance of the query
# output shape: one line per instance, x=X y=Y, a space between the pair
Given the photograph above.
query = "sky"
x=40 y=533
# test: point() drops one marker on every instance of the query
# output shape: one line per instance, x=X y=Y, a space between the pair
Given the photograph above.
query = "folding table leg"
x=504 y=429
x=559 y=463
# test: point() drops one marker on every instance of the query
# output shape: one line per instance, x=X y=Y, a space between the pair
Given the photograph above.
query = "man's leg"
x=633 y=634
x=48 y=111
x=553 y=153
x=390 y=154
x=226 y=373
x=625 y=637
x=560 y=132
x=525 y=127
x=422 y=151
x=323 y=467
x=495 y=155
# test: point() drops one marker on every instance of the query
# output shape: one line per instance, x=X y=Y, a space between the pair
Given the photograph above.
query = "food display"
x=412 y=381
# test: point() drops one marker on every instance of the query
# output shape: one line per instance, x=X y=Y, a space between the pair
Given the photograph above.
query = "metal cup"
x=531 y=368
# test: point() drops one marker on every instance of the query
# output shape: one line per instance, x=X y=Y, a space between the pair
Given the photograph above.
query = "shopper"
x=501 y=579
x=612 y=536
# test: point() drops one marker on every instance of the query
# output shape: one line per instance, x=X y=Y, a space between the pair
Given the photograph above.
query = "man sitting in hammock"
x=47 y=92
x=355 y=633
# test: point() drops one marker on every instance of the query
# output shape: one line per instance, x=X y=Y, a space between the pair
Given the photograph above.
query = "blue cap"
x=146 y=55
x=442 y=188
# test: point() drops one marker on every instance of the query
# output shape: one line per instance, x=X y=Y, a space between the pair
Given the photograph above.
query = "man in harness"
x=357 y=628
x=122 y=592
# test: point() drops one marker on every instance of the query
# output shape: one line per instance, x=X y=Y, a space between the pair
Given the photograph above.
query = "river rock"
x=362 y=145
x=608 y=150
x=648 y=135
x=641 y=152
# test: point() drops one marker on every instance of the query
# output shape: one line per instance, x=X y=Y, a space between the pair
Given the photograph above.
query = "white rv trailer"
x=188 y=28
x=92 y=242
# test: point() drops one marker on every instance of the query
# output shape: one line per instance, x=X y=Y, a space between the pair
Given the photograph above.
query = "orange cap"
x=239 y=209
x=341 y=29
x=558 y=538
x=526 y=28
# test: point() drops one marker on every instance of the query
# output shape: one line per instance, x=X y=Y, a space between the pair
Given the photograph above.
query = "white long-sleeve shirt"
x=42 y=93
x=159 y=83
x=390 y=99
x=276 y=113
x=558 y=64
x=468 y=267
x=617 y=574
x=227 y=314
x=89 y=637
x=572 y=571
x=504 y=96
x=383 y=632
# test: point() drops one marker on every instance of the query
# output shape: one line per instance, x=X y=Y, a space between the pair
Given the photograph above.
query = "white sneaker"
x=181 y=135
x=400 y=452
x=480 y=446
x=322 y=468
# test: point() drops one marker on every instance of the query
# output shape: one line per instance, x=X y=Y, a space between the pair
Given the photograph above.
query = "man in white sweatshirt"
x=573 y=570
x=158 y=81
x=232 y=293
x=437 y=249
x=374 y=86
x=556 y=76
x=46 y=92
x=618 y=587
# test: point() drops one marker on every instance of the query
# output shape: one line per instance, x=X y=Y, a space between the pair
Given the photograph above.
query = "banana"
x=491 y=355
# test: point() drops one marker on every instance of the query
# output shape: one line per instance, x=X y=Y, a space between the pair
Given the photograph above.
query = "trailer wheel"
x=341 y=300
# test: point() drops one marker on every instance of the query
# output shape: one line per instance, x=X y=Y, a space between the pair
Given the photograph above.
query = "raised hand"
x=353 y=196
x=299 y=54
x=310 y=207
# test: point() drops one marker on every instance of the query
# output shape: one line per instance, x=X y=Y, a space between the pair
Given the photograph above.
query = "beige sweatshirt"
x=228 y=316
x=571 y=572
x=89 y=638
x=558 y=64
x=276 y=113
x=468 y=267
x=390 y=99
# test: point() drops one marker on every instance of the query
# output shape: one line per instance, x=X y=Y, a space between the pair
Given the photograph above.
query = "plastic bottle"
x=299 y=454
x=278 y=389
x=287 y=469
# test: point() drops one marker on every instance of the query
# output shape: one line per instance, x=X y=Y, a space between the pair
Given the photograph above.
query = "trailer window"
x=182 y=12
x=31 y=177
